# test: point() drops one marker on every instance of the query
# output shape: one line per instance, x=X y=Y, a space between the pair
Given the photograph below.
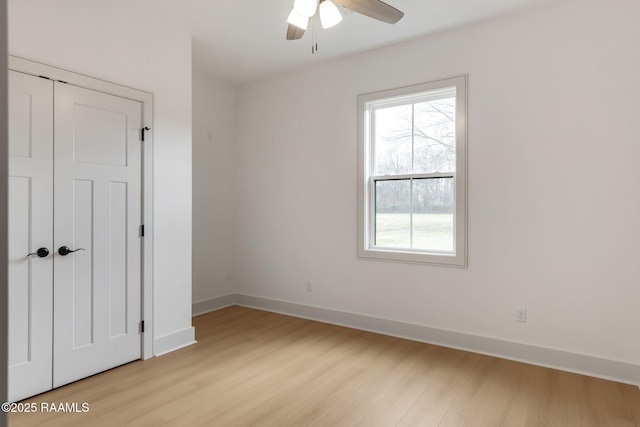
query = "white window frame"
x=366 y=181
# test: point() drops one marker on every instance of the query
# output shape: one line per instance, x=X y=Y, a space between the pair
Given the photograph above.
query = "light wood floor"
x=253 y=368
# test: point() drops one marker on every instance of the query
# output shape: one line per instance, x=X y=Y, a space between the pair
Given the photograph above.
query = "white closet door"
x=97 y=207
x=30 y=228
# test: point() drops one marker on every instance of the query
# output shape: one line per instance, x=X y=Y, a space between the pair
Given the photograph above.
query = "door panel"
x=117 y=255
x=101 y=136
x=30 y=228
x=82 y=289
x=97 y=209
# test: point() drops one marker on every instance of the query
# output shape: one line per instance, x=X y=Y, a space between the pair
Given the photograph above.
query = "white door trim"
x=38 y=69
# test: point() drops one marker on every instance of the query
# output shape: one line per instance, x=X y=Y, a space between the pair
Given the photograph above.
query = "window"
x=412 y=173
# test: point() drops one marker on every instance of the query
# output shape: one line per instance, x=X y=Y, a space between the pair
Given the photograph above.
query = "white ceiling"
x=243 y=40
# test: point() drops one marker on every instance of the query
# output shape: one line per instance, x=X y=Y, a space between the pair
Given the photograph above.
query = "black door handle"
x=64 y=250
x=42 y=253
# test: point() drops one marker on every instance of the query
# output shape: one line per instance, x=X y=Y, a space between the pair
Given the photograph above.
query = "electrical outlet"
x=309 y=288
x=521 y=314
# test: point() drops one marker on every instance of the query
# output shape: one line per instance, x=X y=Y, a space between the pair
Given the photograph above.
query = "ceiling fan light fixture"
x=296 y=19
x=305 y=8
x=329 y=14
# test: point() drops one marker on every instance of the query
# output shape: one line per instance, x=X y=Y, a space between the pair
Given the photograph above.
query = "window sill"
x=443 y=259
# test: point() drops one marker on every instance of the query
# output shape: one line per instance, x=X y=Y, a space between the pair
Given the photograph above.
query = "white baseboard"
x=212 y=304
x=614 y=370
x=177 y=340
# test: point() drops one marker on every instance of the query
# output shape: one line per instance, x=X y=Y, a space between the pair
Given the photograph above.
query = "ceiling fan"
x=330 y=14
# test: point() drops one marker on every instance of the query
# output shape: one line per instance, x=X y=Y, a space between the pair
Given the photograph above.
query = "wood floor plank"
x=442 y=389
x=254 y=368
x=401 y=396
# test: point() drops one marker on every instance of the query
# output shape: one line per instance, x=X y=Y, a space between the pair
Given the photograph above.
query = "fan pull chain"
x=314 y=38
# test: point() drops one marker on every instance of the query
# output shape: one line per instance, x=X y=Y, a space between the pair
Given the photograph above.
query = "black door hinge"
x=143 y=130
x=142 y=326
x=142 y=230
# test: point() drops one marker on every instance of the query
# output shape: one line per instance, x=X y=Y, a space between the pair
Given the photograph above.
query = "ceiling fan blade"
x=294 y=33
x=375 y=9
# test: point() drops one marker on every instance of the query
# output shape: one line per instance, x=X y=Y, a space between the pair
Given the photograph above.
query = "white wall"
x=214 y=121
x=104 y=40
x=4 y=173
x=553 y=182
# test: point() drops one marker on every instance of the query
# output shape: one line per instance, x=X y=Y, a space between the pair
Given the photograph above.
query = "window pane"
x=412 y=198
x=435 y=136
x=433 y=206
x=392 y=140
x=393 y=214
